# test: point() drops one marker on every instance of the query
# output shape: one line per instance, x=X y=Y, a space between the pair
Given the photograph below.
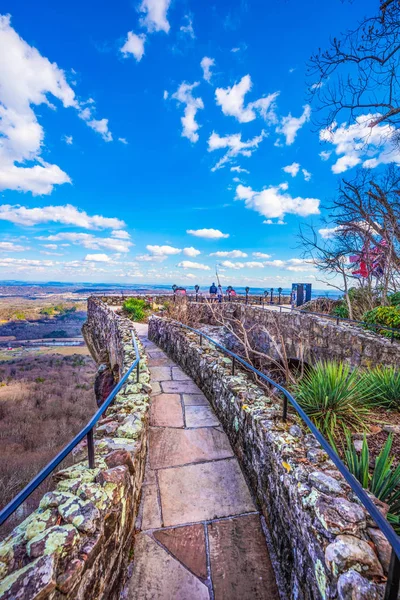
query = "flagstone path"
x=200 y=534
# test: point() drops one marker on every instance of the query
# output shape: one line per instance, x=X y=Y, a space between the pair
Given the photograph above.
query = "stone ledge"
x=322 y=537
x=77 y=544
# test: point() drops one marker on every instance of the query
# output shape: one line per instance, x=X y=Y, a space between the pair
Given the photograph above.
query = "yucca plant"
x=383 y=386
x=383 y=482
x=334 y=397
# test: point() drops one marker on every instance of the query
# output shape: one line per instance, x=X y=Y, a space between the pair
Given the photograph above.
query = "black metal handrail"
x=16 y=502
x=392 y=586
x=264 y=303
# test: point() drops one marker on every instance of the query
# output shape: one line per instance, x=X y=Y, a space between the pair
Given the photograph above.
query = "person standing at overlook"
x=213 y=290
x=219 y=293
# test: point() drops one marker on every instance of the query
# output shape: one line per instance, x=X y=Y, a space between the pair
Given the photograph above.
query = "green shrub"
x=341 y=311
x=334 y=397
x=384 y=315
x=394 y=299
x=136 y=308
x=383 y=385
x=383 y=482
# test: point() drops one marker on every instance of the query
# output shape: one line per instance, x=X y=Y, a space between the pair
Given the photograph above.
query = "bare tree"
x=359 y=73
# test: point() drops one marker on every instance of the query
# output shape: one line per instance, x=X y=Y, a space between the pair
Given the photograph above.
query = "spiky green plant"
x=383 y=385
x=334 y=398
x=383 y=482
x=136 y=308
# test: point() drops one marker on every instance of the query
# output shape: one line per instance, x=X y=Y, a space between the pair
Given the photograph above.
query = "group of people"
x=216 y=292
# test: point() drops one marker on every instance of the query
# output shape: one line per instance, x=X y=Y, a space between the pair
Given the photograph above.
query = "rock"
x=316 y=455
x=391 y=428
x=39 y=521
x=118 y=458
x=338 y=515
x=358 y=444
x=325 y=483
x=34 y=582
x=104 y=383
x=70 y=576
x=352 y=586
x=80 y=513
x=348 y=552
x=56 y=540
x=131 y=428
x=383 y=548
x=296 y=431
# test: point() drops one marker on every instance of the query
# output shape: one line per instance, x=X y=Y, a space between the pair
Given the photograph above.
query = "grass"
x=334 y=397
x=383 y=387
x=136 y=309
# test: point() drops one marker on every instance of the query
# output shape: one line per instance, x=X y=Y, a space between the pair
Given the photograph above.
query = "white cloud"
x=120 y=234
x=190 y=251
x=188 y=28
x=261 y=255
x=68 y=139
x=325 y=154
x=239 y=170
x=134 y=45
x=151 y=257
x=292 y=264
x=230 y=254
x=242 y=265
x=188 y=264
x=292 y=169
x=98 y=125
x=328 y=232
x=360 y=143
x=11 y=247
x=289 y=125
x=123 y=140
x=206 y=64
x=27 y=79
x=163 y=250
x=165 y=94
x=97 y=257
x=50 y=246
x=184 y=96
x=306 y=174
x=274 y=203
x=155 y=15
x=67 y=215
x=88 y=240
x=211 y=234
x=234 y=145
x=26 y=264
x=231 y=101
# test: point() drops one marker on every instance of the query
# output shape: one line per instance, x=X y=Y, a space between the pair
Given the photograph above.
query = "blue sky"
x=101 y=180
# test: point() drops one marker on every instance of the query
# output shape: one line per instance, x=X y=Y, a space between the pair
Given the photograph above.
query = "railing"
x=87 y=431
x=262 y=301
x=393 y=580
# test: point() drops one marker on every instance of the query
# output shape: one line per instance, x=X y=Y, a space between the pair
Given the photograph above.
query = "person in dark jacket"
x=213 y=290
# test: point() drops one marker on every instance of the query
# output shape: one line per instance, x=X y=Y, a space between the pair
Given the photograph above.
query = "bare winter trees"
x=359 y=73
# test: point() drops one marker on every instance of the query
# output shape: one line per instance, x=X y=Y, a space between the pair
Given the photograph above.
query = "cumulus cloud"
x=163 y=250
x=11 y=247
x=68 y=139
x=230 y=254
x=206 y=64
x=261 y=255
x=97 y=257
x=360 y=143
x=190 y=251
x=88 y=240
x=328 y=232
x=292 y=264
x=274 y=202
x=184 y=96
x=123 y=141
x=306 y=174
x=134 y=45
x=188 y=264
x=231 y=101
x=292 y=169
x=289 y=126
x=120 y=234
x=239 y=170
x=151 y=257
x=325 y=154
x=187 y=29
x=234 y=145
x=242 y=265
x=26 y=264
x=154 y=15
x=67 y=215
x=28 y=79
x=211 y=234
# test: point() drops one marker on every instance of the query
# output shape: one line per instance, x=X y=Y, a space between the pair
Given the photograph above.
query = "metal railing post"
x=233 y=365
x=137 y=373
x=393 y=580
x=201 y=340
x=285 y=407
x=90 y=447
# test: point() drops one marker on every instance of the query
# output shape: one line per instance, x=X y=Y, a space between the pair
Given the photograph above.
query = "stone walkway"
x=200 y=535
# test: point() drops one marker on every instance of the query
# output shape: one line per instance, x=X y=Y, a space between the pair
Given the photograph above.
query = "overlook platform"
x=201 y=535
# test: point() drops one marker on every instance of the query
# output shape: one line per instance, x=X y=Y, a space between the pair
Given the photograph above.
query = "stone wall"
x=309 y=336
x=326 y=545
x=78 y=543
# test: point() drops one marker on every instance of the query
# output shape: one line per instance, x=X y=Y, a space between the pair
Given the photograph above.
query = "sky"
x=148 y=142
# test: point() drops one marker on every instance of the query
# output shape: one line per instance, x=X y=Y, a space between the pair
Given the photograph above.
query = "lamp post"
x=272 y=292
x=229 y=289
x=247 y=289
x=174 y=288
x=279 y=295
x=196 y=287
